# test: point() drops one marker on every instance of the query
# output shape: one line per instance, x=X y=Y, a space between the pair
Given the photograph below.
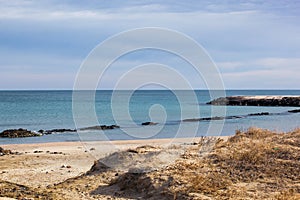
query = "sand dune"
x=256 y=164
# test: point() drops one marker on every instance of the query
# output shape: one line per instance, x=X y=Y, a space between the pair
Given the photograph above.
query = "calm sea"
x=37 y=110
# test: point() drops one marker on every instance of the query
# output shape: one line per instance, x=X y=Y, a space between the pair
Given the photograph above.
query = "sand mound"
x=142 y=159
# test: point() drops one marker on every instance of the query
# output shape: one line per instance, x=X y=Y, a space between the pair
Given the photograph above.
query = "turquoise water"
x=36 y=110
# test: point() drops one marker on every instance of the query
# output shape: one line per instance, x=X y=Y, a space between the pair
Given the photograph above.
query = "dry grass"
x=255 y=164
x=13 y=190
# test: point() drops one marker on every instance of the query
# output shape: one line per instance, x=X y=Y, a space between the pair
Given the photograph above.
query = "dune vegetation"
x=252 y=164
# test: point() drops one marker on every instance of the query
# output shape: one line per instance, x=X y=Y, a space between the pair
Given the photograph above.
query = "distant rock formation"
x=102 y=127
x=18 y=133
x=211 y=118
x=226 y=117
x=292 y=101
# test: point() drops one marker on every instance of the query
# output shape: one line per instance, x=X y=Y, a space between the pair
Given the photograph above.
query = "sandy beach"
x=256 y=164
x=48 y=163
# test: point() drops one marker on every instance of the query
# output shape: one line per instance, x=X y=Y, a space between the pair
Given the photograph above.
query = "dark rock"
x=222 y=118
x=55 y=152
x=17 y=133
x=132 y=151
x=202 y=119
x=47 y=132
x=191 y=120
x=294 y=111
x=254 y=101
x=98 y=167
x=222 y=101
x=102 y=127
x=4 y=151
x=212 y=118
x=259 y=114
x=149 y=123
x=208 y=118
x=234 y=117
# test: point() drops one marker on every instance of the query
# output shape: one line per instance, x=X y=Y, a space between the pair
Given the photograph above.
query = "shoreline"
x=112 y=142
x=21 y=133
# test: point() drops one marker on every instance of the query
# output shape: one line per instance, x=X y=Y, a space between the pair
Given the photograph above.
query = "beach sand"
x=256 y=164
x=44 y=164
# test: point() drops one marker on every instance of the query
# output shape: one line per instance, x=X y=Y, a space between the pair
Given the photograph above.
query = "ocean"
x=35 y=110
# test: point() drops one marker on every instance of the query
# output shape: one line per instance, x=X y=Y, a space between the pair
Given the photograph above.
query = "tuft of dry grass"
x=251 y=133
x=18 y=191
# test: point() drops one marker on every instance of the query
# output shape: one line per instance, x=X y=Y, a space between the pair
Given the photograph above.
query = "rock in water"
x=102 y=127
x=294 y=111
x=47 y=132
x=149 y=123
x=292 y=101
x=17 y=133
x=259 y=114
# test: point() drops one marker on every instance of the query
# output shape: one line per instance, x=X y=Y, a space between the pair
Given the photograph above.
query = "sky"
x=255 y=44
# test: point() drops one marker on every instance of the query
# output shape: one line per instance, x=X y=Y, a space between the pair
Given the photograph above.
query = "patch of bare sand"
x=44 y=164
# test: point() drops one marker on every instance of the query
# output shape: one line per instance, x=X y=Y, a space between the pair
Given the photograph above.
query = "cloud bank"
x=256 y=44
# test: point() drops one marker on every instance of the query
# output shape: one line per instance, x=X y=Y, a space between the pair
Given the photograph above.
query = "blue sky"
x=255 y=44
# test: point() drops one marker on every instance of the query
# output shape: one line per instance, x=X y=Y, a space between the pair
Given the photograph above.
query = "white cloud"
x=280 y=63
x=288 y=64
x=264 y=79
x=279 y=73
x=29 y=80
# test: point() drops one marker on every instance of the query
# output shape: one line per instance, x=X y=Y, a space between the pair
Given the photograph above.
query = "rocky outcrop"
x=18 y=133
x=294 y=111
x=149 y=123
x=47 y=132
x=259 y=114
x=102 y=127
x=226 y=117
x=211 y=118
x=292 y=101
